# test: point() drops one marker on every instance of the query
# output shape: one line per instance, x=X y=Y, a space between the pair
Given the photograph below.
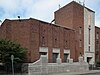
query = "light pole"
x=12 y=60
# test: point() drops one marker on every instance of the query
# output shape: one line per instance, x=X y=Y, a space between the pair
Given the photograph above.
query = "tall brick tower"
x=81 y=19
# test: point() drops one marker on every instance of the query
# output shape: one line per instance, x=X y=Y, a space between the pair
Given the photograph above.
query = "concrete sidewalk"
x=78 y=73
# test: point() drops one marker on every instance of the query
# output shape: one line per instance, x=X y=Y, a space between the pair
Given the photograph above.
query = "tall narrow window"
x=97 y=45
x=80 y=30
x=97 y=35
x=43 y=41
x=89 y=48
x=55 y=40
x=66 y=44
x=89 y=32
x=80 y=43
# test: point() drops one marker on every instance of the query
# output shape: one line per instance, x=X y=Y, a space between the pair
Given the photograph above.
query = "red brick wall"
x=55 y=35
x=72 y=45
x=20 y=33
x=97 y=44
x=33 y=34
x=66 y=38
x=51 y=36
x=43 y=34
x=78 y=21
x=61 y=42
x=64 y=16
x=72 y=16
x=50 y=41
x=34 y=39
x=3 y=29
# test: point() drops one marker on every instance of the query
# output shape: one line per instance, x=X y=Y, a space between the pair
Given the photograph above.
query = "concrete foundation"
x=42 y=67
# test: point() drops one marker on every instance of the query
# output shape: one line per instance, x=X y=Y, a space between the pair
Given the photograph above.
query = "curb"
x=79 y=73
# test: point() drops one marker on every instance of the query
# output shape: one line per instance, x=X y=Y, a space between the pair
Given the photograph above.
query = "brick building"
x=97 y=44
x=40 y=38
x=72 y=35
x=81 y=19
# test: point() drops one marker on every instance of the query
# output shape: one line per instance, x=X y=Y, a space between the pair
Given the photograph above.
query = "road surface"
x=98 y=73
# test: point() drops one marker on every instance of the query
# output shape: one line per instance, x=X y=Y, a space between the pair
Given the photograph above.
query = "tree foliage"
x=8 y=48
x=97 y=63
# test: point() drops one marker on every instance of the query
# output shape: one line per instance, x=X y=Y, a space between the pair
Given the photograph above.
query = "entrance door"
x=89 y=59
x=65 y=57
x=55 y=56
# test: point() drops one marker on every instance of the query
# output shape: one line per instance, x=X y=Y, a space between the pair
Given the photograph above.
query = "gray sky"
x=40 y=9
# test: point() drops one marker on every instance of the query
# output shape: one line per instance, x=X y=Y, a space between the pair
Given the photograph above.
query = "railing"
x=7 y=70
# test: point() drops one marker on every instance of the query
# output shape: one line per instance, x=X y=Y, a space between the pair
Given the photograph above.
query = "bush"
x=98 y=64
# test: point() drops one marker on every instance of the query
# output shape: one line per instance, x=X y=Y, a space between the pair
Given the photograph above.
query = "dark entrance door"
x=88 y=59
x=55 y=55
x=65 y=57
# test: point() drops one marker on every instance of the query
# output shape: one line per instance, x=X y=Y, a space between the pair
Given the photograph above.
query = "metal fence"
x=19 y=69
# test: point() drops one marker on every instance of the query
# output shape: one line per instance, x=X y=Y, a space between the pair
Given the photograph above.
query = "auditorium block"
x=72 y=35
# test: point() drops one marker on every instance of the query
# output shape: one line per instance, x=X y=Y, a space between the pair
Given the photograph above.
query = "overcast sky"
x=40 y=9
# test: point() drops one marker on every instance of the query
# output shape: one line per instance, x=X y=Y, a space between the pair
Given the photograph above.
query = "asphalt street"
x=98 y=73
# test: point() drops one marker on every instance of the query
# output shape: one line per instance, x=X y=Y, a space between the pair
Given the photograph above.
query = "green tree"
x=8 y=48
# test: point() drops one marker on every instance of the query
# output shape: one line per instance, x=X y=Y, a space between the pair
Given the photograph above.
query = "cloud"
x=39 y=9
x=44 y=9
x=8 y=4
x=97 y=23
x=13 y=8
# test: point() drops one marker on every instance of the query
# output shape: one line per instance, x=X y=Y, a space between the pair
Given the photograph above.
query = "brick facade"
x=72 y=16
x=97 y=44
x=67 y=34
x=33 y=34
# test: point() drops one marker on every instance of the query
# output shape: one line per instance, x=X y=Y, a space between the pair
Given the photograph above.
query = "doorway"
x=55 y=56
x=65 y=57
x=89 y=59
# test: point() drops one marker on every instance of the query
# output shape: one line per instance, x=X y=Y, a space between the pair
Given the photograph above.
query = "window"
x=97 y=35
x=80 y=30
x=80 y=43
x=89 y=48
x=66 y=44
x=55 y=39
x=80 y=54
x=55 y=42
x=97 y=42
x=89 y=32
x=65 y=57
x=43 y=41
x=89 y=19
x=97 y=52
x=29 y=54
x=97 y=45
